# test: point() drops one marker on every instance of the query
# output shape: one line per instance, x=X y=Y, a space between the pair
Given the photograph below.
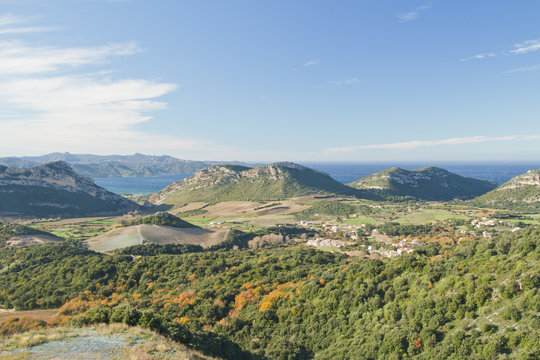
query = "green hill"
x=161 y=219
x=20 y=235
x=477 y=300
x=55 y=189
x=276 y=181
x=430 y=183
x=519 y=193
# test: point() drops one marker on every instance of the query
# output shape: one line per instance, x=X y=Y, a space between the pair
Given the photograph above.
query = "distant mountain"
x=233 y=182
x=430 y=183
x=55 y=189
x=520 y=193
x=100 y=166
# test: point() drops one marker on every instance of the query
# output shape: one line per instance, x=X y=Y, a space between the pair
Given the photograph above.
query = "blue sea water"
x=342 y=172
x=139 y=185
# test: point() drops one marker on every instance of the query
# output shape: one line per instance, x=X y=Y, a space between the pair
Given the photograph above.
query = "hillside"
x=276 y=181
x=430 y=183
x=98 y=166
x=519 y=193
x=54 y=189
x=476 y=300
x=19 y=235
x=161 y=219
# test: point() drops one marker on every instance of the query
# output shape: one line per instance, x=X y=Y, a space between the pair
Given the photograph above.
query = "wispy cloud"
x=10 y=24
x=524 y=69
x=350 y=81
x=24 y=30
x=521 y=48
x=311 y=62
x=47 y=107
x=411 y=15
x=479 y=56
x=18 y=58
x=426 y=143
x=10 y=19
x=526 y=47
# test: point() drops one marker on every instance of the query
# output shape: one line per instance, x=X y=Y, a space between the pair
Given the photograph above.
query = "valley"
x=243 y=263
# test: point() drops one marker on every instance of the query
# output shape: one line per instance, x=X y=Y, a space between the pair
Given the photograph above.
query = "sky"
x=253 y=80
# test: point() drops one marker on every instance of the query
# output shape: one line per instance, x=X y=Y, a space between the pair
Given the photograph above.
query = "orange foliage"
x=280 y=291
x=14 y=325
x=185 y=298
x=183 y=321
x=418 y=342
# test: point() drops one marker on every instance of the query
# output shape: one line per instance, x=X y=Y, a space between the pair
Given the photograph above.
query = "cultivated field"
x=143 y=234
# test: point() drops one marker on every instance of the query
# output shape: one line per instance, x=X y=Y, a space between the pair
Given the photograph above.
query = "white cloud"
x=524 y=69
x=10 y=19
x=46 y=107
x=526 y=47
x=23 y=30
x=18 y=58
x=424 y=143
x=479 y=56
x=411 y=15
x=350 y=81
x=9 y=24
x=311 y=62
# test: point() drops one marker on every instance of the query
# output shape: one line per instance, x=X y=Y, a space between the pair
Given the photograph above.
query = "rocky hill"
x=430 y=183
x=520 y=193
x=234 y=182
x=98 y=166
x=55 y=189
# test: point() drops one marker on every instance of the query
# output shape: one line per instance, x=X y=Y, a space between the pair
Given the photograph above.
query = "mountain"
x=519 y=193
x=276 y=181
x=55 y=189
x=98 y=166
x=430 y=183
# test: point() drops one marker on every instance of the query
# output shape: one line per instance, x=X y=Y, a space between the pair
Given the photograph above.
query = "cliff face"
x=55 y=189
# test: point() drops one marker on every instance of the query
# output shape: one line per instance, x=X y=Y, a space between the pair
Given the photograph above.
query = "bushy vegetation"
x=332 y=208
x=431 y=184
x=478 y=300
x=525 y=198
x=9 y=230
x=262 y=188
x=161 y=219
x=157 y=249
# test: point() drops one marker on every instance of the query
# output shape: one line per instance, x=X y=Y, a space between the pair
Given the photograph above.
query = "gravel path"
x=81 y=348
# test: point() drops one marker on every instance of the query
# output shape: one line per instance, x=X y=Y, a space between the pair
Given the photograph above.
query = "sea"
x=342 y=172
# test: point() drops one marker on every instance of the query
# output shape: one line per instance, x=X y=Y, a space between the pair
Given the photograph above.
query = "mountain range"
x=55 y=189
x=102 y=166
x=284 y=180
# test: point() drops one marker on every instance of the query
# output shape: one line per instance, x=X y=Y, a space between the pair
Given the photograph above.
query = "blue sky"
x=272 y=80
